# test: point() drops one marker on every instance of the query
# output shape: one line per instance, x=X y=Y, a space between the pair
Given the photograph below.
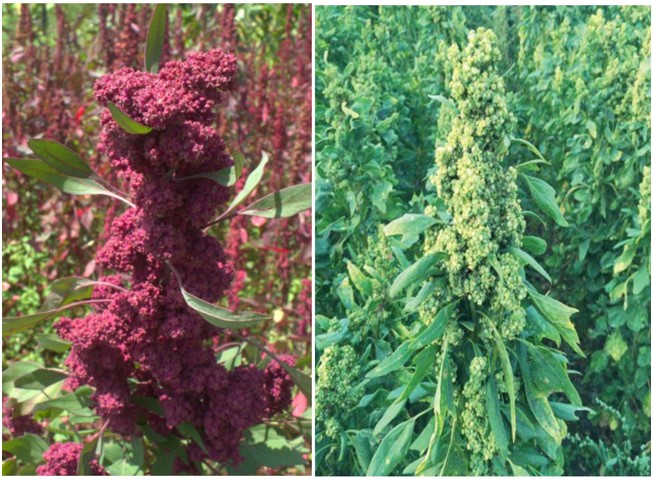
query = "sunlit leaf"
x=222 y=317
x=130 y=126
x=544 y=196
x=415 y=273
x=155 y=39
x=40 y=379
x=40 y=170
x=61 y=158
x=392 y=450
x=283 y=203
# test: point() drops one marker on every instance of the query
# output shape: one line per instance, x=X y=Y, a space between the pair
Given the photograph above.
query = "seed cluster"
x=145 y=341
x=480 y=193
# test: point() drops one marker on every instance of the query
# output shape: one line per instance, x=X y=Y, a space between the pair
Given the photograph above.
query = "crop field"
x=156 y=267
x=482 y=222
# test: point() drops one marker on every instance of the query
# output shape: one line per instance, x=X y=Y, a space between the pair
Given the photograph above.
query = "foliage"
x=439 y=390
x=603 y=166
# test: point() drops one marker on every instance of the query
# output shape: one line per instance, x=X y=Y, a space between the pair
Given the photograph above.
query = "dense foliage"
x=440 y=356
x=159 y=380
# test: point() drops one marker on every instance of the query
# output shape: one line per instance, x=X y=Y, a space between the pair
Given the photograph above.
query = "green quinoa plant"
x=582 y=79
x=461 y=371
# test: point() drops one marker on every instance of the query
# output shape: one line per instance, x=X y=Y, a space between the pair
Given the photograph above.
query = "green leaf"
x=362 y=447
x=222 y=317
x=392 y=450
x=239 y=161
x=225 y=176
x=531 y=165
x=282 y=204
x=591 y=128
x=544 y=196
x=13 y=372
x=435 y=330
x=155 y=39
x=539 y=403
x=303 y=381
x=40 y=170
x=444 y=100
x=559 y=316
x=440 y=406
x=415 y=273
x=28 y=448
x=625 y=259
x=348 y=111
x=52 y=342
x=409 y=226
x=534 y=216
x=252 y=181
x=389 y=415
x=534 y=244
x=532 y=148
x=549 y=374
x=641 y=279
x=518 y=470
x=421 y=442
x=40 y=379
x=123 y=467
x=68 y=290
x=423 y=363
x=494 y=415
x=393 y=362
x=270 y=449
x=86 y=456
x=324 y=340
x=529 y=260
x=508 y=377
x=363 y=283
x=540 y=326
x=76 y=403
x=346 y=294
x=567 y=412
x=189 y=430
x=61 y=158
x=9 y=467
x=424 y=293
x=615 y=346
x=15 y=324
x=130 y=126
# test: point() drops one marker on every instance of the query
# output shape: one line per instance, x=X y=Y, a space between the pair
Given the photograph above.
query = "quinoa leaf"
x=222 y=317
x=283 y=203
x=126 y=123
x=544 y=196
x=252 y=182
x=40 y=170
x=155 y=38
x=61 y=158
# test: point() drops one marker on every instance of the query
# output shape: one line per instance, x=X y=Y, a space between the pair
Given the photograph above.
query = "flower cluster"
x=17 y=425
x=62 y=459
x=480 y=193
x=474 y=418
x=336 y=395
x=644 y=207
x=145 y=341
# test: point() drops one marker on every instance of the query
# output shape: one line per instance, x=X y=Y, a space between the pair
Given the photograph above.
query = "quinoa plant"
x=583 y=75
x=170 y=382
x=459 y=370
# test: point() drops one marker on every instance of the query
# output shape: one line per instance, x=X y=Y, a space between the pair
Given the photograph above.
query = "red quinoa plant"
x=174 y=384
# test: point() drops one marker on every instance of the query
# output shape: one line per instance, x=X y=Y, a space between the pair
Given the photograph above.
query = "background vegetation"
x=578 y=82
